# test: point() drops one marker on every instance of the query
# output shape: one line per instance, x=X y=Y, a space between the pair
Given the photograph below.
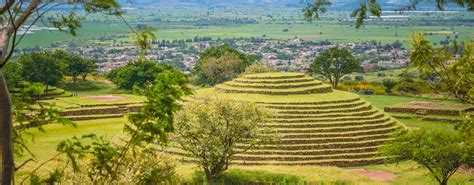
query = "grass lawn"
x=92 y=87
x=406 y=172
x=382 y=101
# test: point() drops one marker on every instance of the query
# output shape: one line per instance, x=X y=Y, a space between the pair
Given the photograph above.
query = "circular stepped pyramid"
x=315 y=124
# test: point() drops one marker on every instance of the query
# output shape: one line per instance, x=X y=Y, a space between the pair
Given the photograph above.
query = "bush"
x=362 y=86
x=389 y=84
x=359 y=78
x=413 y=87
x=259 y=68
x=235 y=176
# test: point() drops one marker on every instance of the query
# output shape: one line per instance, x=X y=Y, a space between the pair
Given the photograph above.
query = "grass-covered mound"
x=320 y=127
x=430 y=111
x=91 y=107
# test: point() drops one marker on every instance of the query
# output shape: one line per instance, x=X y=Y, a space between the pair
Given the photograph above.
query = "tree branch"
x=7 y=6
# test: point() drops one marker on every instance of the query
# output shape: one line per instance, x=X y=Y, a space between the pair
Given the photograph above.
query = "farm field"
x=333 y=32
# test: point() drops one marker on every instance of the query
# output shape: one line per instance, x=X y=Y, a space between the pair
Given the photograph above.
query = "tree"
x=389 y=84
x=137 y=74
x=221 y=69
x=18 y=14
x=440 y=152
x=42 y=67
x=216 y=57
x=144 y=37
x=211 y=131
x=314 y=8
x=259 y=68
x=445 y=69
x=333 y=64
x=94 y=159
x=13 y=72
x=75 y=65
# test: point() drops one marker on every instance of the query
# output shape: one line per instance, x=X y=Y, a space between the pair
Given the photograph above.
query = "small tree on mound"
x=259 y=68
x=211 y=130
x=221 y=63
x=333 y=64
x=440 y=152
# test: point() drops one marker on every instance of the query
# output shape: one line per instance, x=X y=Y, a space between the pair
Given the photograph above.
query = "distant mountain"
x=339 y=5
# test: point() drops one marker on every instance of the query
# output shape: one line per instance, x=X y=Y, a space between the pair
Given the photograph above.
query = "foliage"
x=26 y=115
x=220 y=64
x=137 y=74
x=315 y=8
x=333 y=64
x=101 y=161
x=440 y=152
x=143 y=38
x=259 y=68
x=221 y=69
x=210 y=130
x=75 y=64
x=413 y=87
x=446 y=69
x=12 y=72
x=42 y=67
x=389 y=84
x=361 y=86
x=235 y=176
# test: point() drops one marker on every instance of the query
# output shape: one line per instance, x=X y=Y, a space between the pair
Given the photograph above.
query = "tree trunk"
x=6 y=139
x=209 y=176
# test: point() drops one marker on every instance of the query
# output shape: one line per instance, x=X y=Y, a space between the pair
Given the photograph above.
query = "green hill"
x=315 y=124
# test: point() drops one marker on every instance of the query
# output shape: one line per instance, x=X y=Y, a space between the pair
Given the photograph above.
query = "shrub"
x=389 y=84
x=259 y=68
x=413 y=87
x=359 y=78
x=362 y=86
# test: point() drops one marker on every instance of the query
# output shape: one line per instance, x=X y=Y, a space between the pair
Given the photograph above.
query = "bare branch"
x=7 y=6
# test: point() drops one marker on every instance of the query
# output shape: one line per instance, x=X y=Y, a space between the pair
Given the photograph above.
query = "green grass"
x=93 y=87
x=86 y=101
x=333 y=96
x=44 y=144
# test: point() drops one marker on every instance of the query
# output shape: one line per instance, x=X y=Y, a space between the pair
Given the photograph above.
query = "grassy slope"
x=407 y=172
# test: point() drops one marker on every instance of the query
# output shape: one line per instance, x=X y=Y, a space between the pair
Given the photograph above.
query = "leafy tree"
x=144 y=37
x=18 y=14
x=217 y=57
x=137 y=74
x=75 y=65
x=13 y=72
x=259 y=68
x=211 y=130
x=440 y=152
x=333 y=64
x=389 y=84
x=221 y=69
x=448 y=70
x=98 y=160
x=42 y=67
x=314 y=8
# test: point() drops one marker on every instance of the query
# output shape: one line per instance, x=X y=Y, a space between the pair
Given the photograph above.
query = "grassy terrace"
x=406 y=172
x=297 y=98
x=323 y=121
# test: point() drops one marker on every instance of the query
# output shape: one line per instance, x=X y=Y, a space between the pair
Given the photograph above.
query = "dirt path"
x=378 y=175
